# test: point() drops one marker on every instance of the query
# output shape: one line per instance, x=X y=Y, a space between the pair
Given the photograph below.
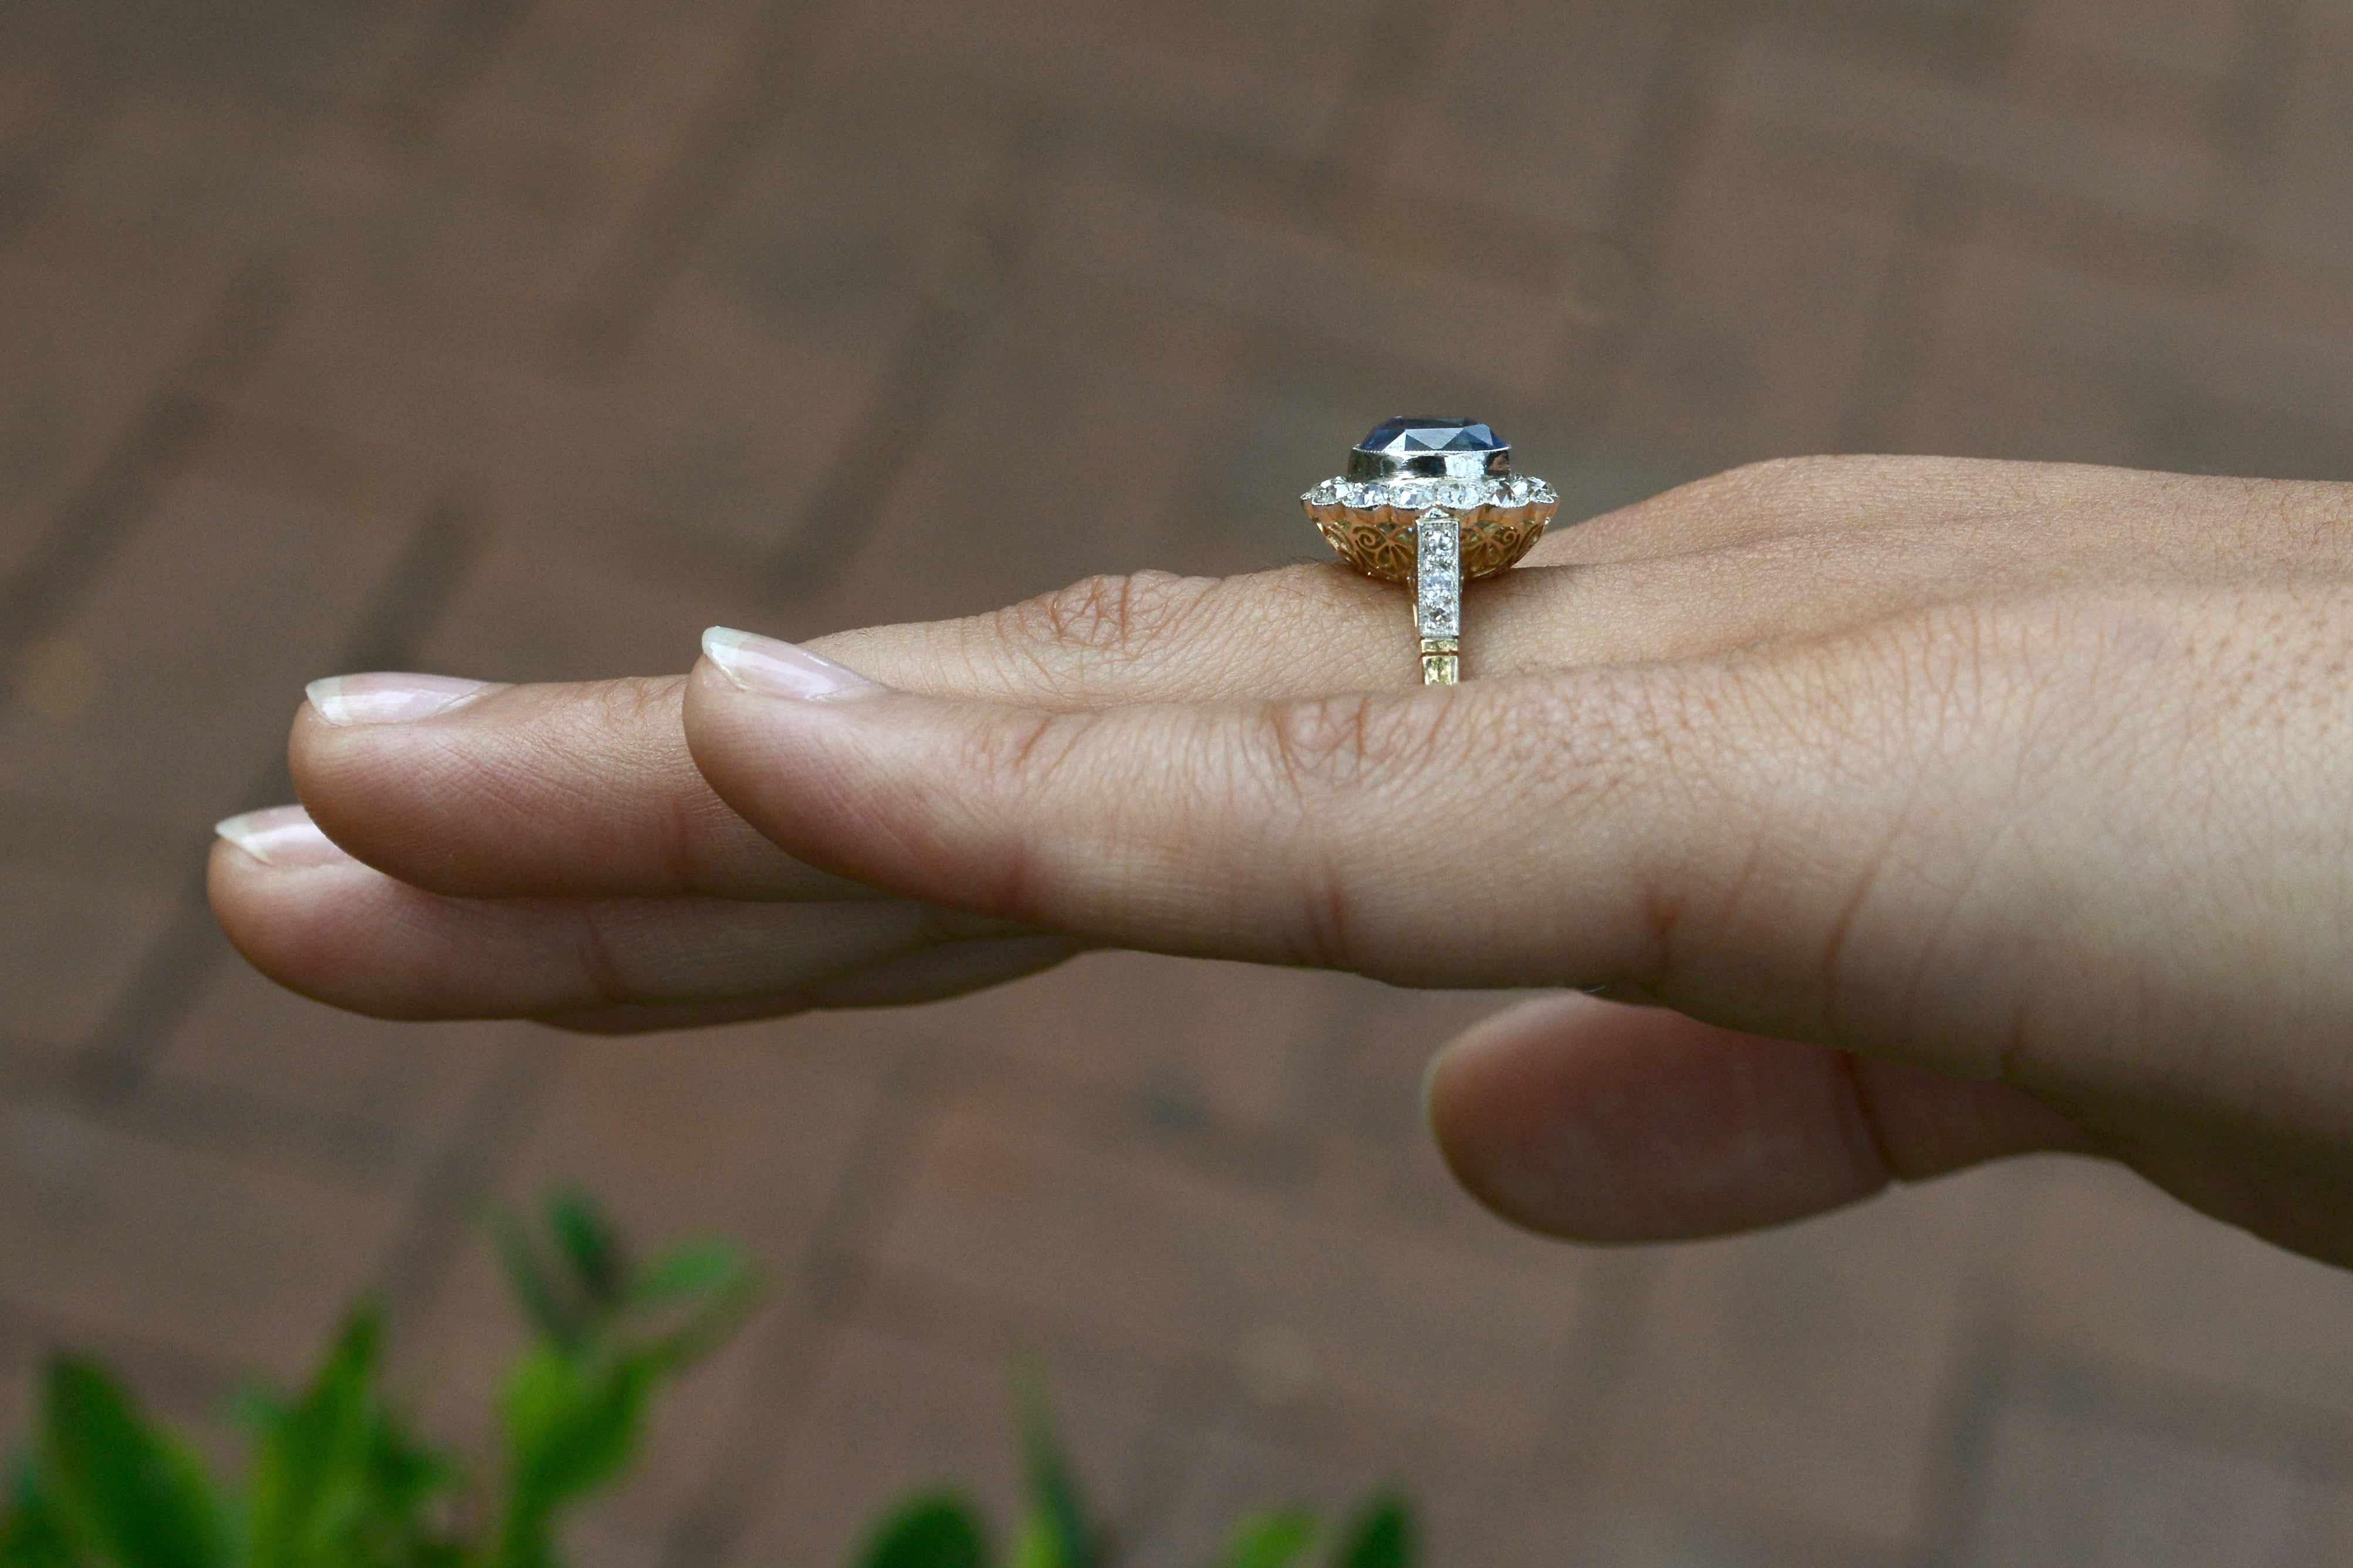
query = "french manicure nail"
x=390 y=697
x=774 y=668
x=282 y=836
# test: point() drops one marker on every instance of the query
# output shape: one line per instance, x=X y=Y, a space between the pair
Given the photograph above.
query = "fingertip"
x=767 y=734
x=1474 y=1101
x=273 y=881
x=1595 y=1121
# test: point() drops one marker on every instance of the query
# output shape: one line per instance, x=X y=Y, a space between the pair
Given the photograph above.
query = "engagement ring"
x=1430 y=502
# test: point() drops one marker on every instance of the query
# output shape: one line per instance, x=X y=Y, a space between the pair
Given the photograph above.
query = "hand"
x=1950 y=810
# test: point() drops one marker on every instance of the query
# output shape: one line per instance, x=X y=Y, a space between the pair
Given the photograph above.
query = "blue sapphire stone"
x=1410 y=434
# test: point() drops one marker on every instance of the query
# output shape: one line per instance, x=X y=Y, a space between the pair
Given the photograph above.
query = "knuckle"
x=1334 y=744
x=1836 y=491
x=1782 y=479
x=622 y=706
x=1019 y=756
x=626 y=725
x=1020 y=751
x=1816 y=490
x=1843 y=472
x=1801 y=471
x=1117 y=614
x=599 y=952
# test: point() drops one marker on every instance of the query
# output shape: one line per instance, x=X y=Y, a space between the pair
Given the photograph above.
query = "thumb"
x=1589 y=1120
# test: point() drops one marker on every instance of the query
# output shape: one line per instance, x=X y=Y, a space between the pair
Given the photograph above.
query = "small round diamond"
x=1543 y=494
x=1412 y=494
x=1358 y=495
x=1461 y=493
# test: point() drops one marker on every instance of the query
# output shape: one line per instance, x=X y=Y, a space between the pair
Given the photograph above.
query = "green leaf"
x=692 y=1269
x=575 y=1408
x=590 y=1243
x=1271 y=1540
x=936 y=1529
x=1036 y=1545
x=572 y=1426
x=705 y=1331
x=1057 y=1513
x=337 y=1482
x=308 y=1456
x=130 y=1494
x=551 y=1315
x=32 y=1533
x=1382 y=1535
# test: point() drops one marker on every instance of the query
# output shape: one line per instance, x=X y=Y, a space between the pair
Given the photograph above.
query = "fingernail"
x=1430 y=1085
x=774 y=668
x=388 y=698
x=283 y=835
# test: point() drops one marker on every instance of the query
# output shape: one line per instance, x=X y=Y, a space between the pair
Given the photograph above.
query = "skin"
x=1911 y=813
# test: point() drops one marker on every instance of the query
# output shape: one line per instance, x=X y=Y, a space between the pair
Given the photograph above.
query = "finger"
x=1584 y=1120
x=1289 y=832
x=334 y=929
x=1359 y=833
x=573 y=791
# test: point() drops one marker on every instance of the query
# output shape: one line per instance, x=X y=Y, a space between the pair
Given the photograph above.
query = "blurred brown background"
x=523 y=338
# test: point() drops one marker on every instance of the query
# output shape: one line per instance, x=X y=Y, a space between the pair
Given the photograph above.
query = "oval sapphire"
x=1409 y=434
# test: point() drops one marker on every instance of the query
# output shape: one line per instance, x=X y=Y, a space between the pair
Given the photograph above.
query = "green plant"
x=939 y=1529
x=336 y=1479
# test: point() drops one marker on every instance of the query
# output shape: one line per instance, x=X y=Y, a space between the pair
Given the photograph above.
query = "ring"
x=1430 y=502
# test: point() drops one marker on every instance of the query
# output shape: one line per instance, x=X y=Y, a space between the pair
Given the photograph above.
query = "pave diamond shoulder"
x=1437 y=573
